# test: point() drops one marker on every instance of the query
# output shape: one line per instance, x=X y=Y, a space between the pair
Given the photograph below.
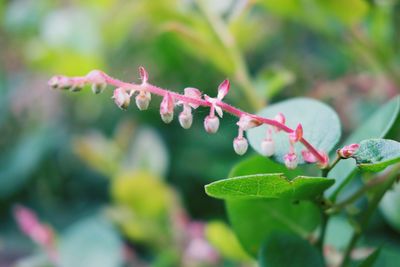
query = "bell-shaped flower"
x=121 y=98
x=167 y=108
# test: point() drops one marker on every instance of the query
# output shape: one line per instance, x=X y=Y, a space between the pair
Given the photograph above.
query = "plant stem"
x=228 y=41
x=331 y=166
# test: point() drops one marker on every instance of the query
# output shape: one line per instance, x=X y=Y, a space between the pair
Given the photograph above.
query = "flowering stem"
x=145 y=86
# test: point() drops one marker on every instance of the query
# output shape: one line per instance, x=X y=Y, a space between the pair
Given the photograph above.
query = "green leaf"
x=254 y=220
x=223 y=239
x=285 y=250
x=390 y=207
x=371 y=259
x=377 y=126
x=320 y=123
x=274 y=185
x=376 y=154
x=92 y=242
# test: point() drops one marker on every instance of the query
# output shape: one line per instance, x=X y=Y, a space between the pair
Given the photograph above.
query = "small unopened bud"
x=143 y=100
x=167 y=108
x=98 y=88
x=211 y=124
x=144 y=76
x=186 y=119
x=223 y=89
x=121 y=98
x=240 y=145
x=308 y=156
x=297 y=134
x=348 y=151
x=53 y=82
x=246 y=122
x=267 y=147
x=290 y=160
x=281 y=119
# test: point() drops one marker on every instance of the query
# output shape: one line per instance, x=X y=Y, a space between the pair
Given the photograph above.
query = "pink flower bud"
x=240 y=145
x=223 y=89
x=167 y=108
x=121 y=98
x=290 y=160
x=308 y=156
x=193 y=93
x=281 y=119
x=348 y=151
x=144 y=76
x=60 y=82
x=297 y=134
x=143 y=100
x=96 y=78
x=246 y=122
x=267 y=147
x=211 y=124
x=186 y=119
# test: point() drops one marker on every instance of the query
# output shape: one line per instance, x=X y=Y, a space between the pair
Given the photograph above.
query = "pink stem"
x=201 y=102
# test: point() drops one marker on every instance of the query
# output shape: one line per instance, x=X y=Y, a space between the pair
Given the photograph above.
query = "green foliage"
x=376 y=154
x=286 y=250
x=91 y=242
x=225 y=241
x=370 y=261
x=390 y=207
x=273 y=185
x=377 y=126
x=254 y=220
x=320 y=123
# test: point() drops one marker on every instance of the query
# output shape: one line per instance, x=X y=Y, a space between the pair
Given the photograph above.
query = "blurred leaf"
x=91 y=242
x=272 y=185
x=21 y=161
x=320 y=123
x=143 y=192
x=377 y=126
x=142 y=202
x=271 y=81
x=376 y=154
x=338 y=232
x=255 y=220
x=148 y=153
x=285 y=250
x=99 y=153
x=371 y=259
x=390 y=207
x=223 y=239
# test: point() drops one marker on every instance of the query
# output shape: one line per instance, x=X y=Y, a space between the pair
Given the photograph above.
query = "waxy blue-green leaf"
x=376 y=154
x=254 y=220
x=320 y=123
x=282 y=249
x=377 y=126
x=272 y=185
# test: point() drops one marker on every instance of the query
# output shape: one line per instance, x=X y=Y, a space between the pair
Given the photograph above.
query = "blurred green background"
x=76 y=158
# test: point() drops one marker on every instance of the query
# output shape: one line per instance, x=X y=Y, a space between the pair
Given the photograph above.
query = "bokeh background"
x=121 y=187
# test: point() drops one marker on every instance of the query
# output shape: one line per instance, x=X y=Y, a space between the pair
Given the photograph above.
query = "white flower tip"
x=240 y=145
x=144 y=76
x=98 y=88
x=121 y=98
x=267 y=147
x=185 y=120
x=223 y=89
x=167 y=117
x=143 y=100
x=211 y=124
x=290 y=160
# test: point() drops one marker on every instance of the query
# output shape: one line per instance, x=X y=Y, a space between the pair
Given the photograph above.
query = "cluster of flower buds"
x=348 y=151
x=192 y=99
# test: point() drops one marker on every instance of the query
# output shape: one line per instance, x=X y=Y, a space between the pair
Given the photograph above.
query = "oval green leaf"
x=254 y=220
x=320 y=123
x=282 y=249
x=376 y=154
x=274 y=185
